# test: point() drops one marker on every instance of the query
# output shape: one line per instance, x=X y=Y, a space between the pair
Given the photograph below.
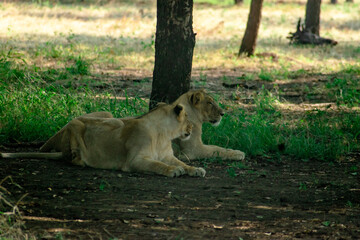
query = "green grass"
x=313 y=139
x=316 y=135
x=33 y=109
x=344 y=88
x=34 y=113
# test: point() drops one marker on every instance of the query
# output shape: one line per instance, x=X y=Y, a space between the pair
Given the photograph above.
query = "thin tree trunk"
x=239 y=2
x=350 y=1
x=312 y=16
x=248 y=43
x=174 y=46
x=333 y=1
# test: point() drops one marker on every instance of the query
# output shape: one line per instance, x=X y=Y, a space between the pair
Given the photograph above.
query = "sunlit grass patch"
x=121 y=35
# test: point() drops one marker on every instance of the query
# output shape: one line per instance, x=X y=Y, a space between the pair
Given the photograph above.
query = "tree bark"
x=333 y=1
x=174 y=46
x=350 y=1
x=248 y=43
x=239 y=2
x=312 y=16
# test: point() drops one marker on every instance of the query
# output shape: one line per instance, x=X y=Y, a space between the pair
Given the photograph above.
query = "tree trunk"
x=333 y=1
x=239 y=2
x=312 y=16
x=174 y=46
x=350 y=1
x=248 y=43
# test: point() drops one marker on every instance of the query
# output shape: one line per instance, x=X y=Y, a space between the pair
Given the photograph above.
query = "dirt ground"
x=282 y=199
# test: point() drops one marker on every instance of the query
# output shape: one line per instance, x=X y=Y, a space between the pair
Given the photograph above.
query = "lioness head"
x=185 y=125
x=208 y=108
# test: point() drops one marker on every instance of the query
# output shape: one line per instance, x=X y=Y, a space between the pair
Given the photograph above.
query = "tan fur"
x=142 y=144
x=201 y=108
x=60 y=142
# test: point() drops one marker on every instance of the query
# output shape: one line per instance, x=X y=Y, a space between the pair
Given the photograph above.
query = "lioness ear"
x=196 y=97
x=178 y=108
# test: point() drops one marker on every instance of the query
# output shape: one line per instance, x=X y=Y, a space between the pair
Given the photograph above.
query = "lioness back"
x=60 y=142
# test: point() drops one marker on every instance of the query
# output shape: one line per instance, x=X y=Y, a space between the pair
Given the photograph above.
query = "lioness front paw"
x=197 y=172
x=234 y=155
x=78 y=161
x=239 y=155
x=176 y=171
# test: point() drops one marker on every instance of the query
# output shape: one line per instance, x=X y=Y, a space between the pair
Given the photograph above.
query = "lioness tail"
x=54 y=155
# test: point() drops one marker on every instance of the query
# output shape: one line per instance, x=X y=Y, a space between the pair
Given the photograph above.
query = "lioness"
x=140 y=144
x=201 y=108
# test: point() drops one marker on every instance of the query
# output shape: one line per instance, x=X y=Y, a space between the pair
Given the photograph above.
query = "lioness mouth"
x=185 y=137
x=215 y=122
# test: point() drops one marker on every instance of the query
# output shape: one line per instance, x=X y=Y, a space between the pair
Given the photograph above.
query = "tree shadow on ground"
x=264 y=200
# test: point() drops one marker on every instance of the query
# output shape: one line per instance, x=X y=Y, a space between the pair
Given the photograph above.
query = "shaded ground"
x=266 y=200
